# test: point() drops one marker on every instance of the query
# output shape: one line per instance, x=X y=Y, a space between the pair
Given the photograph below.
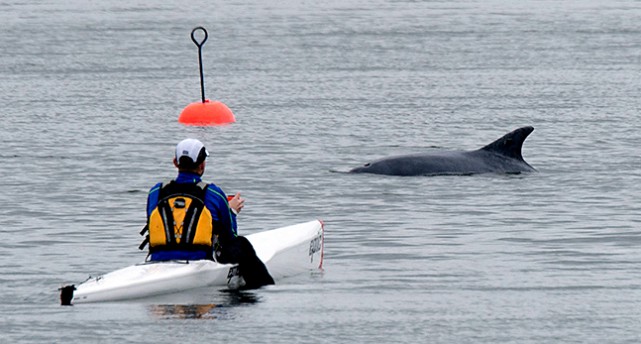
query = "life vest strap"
x=168 y=220
x=144 y=243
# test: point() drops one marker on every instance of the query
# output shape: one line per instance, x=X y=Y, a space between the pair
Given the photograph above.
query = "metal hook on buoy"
x=200 y=58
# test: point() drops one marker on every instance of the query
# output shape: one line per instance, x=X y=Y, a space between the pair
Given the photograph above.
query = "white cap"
x=190 y=148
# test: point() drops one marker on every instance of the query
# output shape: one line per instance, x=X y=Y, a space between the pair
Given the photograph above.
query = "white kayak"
x=286 y=251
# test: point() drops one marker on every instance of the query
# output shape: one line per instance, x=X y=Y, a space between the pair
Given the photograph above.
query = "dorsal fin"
x=510 y=144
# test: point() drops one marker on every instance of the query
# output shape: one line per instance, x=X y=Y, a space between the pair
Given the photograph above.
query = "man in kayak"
x=188 y=219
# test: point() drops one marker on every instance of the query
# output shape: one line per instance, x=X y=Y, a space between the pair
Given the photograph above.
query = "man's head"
x=190 y=156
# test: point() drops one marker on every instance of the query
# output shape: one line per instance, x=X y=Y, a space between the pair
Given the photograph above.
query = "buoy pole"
x=200 y=58
x=205 y=112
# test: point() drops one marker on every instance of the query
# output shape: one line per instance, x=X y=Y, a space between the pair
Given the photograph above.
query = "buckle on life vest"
x=180 y=203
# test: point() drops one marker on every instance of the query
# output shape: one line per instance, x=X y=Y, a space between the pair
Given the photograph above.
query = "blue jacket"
x=215 y=200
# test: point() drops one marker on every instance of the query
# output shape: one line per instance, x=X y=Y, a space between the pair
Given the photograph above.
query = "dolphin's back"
x=451 y=162
x=443 y=163
x=500 y=156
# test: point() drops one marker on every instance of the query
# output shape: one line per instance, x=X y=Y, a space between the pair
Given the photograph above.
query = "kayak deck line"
x=286 y=251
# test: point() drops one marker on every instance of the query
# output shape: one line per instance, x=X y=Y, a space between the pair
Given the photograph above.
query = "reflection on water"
x=218 y=311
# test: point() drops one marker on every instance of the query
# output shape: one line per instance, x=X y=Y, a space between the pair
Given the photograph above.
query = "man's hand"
x=237 y=203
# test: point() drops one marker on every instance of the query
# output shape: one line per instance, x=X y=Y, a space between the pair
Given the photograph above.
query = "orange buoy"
x=205 y=112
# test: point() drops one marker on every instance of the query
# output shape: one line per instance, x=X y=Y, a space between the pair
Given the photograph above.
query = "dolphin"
x=500 y=156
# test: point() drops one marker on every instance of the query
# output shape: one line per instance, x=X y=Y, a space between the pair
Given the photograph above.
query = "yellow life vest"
x=181 y=221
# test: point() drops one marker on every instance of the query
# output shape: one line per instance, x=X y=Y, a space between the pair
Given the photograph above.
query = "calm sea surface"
x=90 y=93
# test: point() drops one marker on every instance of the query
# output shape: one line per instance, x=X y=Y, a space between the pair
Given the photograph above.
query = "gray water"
x=91 y=93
